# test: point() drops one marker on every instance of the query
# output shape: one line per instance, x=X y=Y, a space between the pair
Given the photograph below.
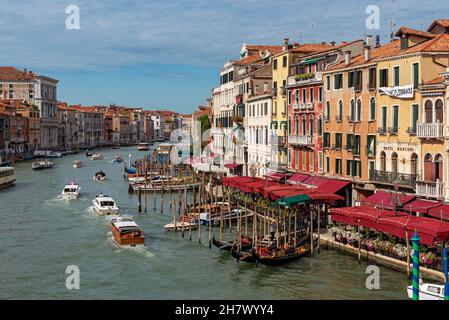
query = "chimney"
x=347 y=57
x=25 y=70
x=377 y=41
x=367 y=53
x=369 y=41
x=285 y=44
x=333 y=43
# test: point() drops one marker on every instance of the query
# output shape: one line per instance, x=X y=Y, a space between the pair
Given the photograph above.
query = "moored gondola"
x=244 y=255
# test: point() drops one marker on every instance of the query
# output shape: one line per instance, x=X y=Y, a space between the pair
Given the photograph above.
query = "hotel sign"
x=401 y=92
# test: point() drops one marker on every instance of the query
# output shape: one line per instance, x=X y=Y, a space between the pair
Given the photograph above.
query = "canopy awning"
x=248 y=186
x=308 y=61
x=420 y=206
x=290 y=201
x=232 y=165
x=298 y=177
x=275 y=176
x=385 y=200
x=292 y=191
x=266 y=192
x=315 y=181
x=332 y=186
x=440 y=212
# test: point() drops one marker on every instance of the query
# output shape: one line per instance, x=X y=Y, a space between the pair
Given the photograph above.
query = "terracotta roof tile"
x=410 y=31
x=439 y=80
x=248 y=60
x=13 y=74
x=271 y=49
x=440 y=22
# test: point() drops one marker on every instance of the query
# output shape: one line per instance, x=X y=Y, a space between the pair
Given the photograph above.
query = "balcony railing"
x=301 y=140
x=381 y=131
x=350 y=118
x=433 y=189
x=338 y=118
x=430 y=130
x=411 y=131
x=277 y=140
x=402 y=179
x=336 y=146
x=309 y=105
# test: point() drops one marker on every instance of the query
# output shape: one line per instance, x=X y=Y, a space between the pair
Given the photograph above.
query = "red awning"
x=420 y=206
x=332 y=186
x=236 y=181
x=275 y=176
x=315 y=181
x=440 y=212
x=232 y=165
x=259 y=189
x=292 y=191
x=385 y=200
x=268 y=190
x=248 y=186
x=322 y=196
x=298 y=177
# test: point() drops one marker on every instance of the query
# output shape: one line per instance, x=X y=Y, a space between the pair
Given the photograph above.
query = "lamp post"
x=396 y=187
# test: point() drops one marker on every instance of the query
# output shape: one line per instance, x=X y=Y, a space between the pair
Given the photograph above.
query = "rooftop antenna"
x=392 y=22
x=313 y=24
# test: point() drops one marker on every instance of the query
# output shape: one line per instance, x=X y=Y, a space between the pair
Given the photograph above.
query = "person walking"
x=272 y=229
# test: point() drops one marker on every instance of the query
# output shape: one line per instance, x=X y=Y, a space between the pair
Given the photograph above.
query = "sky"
x=165 y=54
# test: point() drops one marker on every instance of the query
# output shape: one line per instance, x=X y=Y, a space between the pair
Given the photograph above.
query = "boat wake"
x=141 y=250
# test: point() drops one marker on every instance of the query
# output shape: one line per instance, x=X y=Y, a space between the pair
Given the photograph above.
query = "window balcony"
x=336 y=146
x=393 y=130
x=303 y=140
x=278 y=141
x=309 y=105
x=381 y=131
x=338 y=118
x=431 y=189
x=411 y=131
x=430 y=130
x=392 y=178
x=350 y=119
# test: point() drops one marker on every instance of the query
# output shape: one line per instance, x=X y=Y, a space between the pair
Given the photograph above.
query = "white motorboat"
x=41 y=165
x=97 y=156
x=71 y=191
x=105 y=205
x=180 y=226
x=78 y=164
x=143 y=146
x=428 y=291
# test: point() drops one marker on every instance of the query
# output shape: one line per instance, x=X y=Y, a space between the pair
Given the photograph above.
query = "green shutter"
x=414 y=116
x=416 y=75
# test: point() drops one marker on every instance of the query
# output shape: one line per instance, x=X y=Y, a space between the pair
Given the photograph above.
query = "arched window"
x=383 y=166
x=352 y=111
x=372 y=109
x=439 y=167
x=429 y=173
x=439 y=111
x=320 y=125
x=428 y=111
x=414 y=165
x=359 y=110
x=311 y=125
x=394 y=162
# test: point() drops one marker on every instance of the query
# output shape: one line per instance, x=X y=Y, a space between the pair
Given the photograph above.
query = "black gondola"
x=88 y=153
x=281 y=257
x=242 y=255
x=222 y=245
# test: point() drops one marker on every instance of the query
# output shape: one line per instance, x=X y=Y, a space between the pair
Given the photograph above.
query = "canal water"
x=40 y=235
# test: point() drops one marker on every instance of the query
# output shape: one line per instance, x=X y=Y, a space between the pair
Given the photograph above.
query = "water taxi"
x=7 y=177
x=97 y=156
x=41 y=165
x=143 y=146
x=105 y=205
x=77 y=164
x=126 y=232
x=71 y=191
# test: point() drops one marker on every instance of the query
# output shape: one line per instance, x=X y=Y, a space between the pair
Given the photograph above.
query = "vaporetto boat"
x=7 y=177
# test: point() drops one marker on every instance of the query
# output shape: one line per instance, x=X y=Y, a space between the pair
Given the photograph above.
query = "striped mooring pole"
x=415 y=277
x=446 y=283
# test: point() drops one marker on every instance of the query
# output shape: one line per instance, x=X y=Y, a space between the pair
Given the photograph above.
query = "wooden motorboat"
x=71 y=191
x=97 y=156
x=126 y=232
x=99 y=176
x=105 y=205
x=41 y=165
x=78 y=164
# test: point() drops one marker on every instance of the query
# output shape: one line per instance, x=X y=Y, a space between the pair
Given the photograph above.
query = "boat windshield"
x=107 y=203
x=70 y=190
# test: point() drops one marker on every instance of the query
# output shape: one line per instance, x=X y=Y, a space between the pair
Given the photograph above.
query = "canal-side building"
x=120 y=129
x=16 y=145
x=32 y=113
x=68 y=127
x=257 y=133
x=445 y=76
x=90 y=126
x=416 y=59
x=36 y=90
x=107 y=128
x=305 y=106
x=4 y=135
x=158 y=127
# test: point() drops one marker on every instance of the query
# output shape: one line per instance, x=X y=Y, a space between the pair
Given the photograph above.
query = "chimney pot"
x=367 y=53
x=333 y=43
x=377 y=40
x=286 y=41
x=369 y=41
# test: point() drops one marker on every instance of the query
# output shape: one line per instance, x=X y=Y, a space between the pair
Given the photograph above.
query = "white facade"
x=45 y=97
x=258 y=134
x=158 y=127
